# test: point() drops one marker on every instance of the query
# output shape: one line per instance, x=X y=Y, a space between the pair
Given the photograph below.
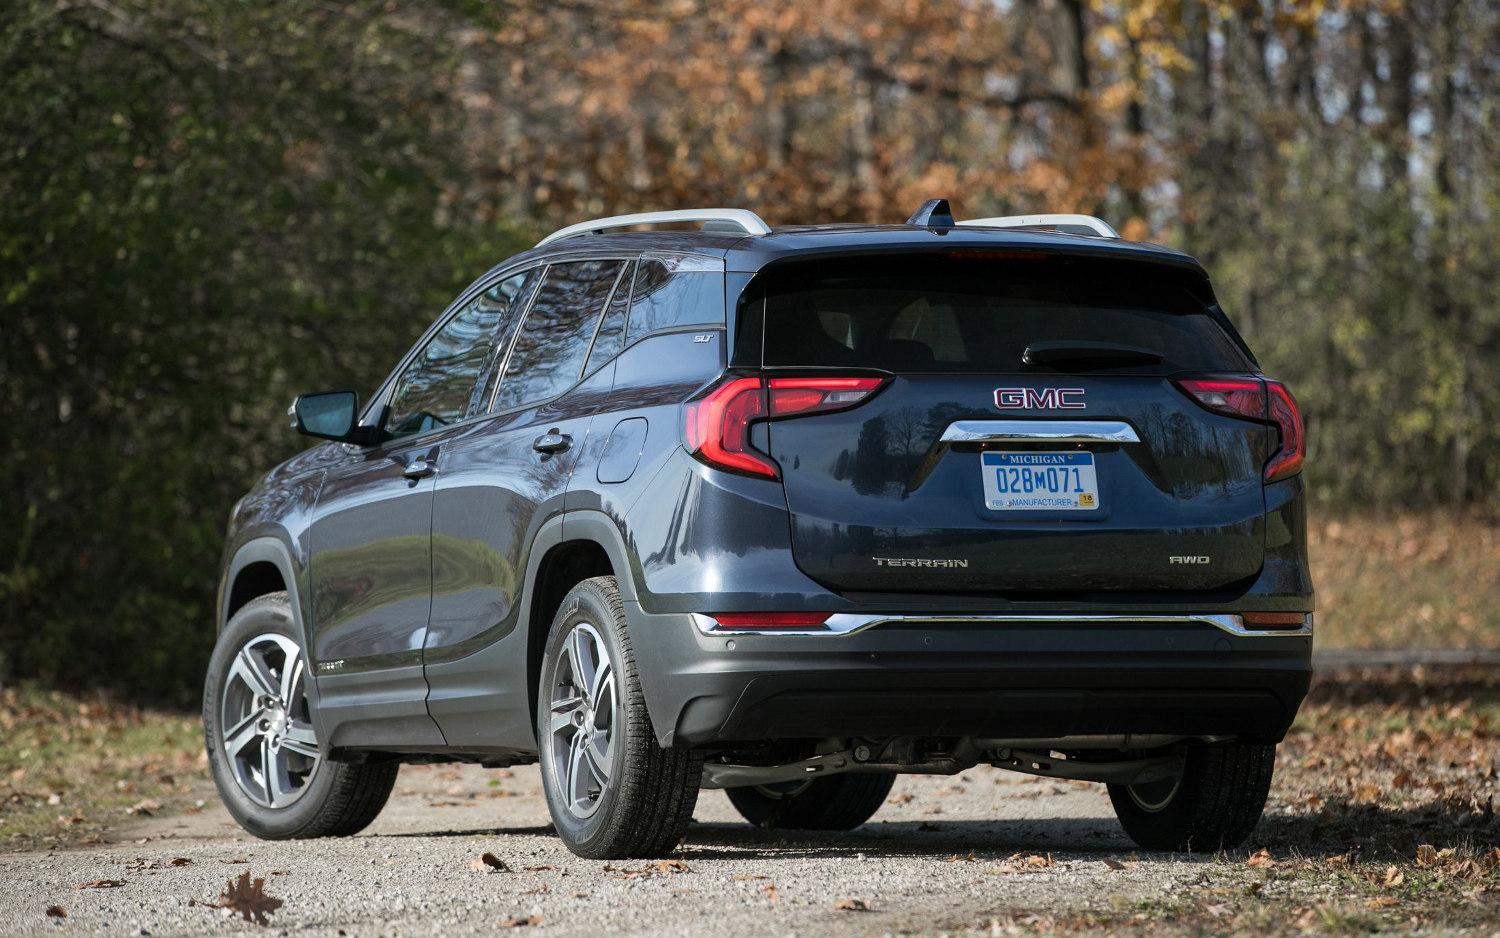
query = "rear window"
x=951 y=314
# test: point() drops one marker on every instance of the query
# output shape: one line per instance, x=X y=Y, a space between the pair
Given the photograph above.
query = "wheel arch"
x=260 y=566
x=568 y=550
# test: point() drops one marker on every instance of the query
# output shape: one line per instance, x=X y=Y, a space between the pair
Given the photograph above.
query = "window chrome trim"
x=1047 y=431
x=848 y=623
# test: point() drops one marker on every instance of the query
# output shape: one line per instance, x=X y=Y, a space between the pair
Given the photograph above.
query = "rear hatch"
x=1029 y=435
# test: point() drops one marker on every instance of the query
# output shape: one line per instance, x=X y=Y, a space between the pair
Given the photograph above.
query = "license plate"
x=1040 y=481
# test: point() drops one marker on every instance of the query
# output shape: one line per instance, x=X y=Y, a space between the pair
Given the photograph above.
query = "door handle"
x=552 y=442
x=420 y=468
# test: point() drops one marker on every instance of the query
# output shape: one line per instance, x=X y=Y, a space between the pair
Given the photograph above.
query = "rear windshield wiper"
x=1088 y=354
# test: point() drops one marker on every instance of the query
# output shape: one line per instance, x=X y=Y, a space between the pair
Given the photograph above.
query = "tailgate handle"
x=1040 y=431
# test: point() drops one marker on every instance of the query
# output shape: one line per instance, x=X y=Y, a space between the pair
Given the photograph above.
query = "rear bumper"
x=1013 y=679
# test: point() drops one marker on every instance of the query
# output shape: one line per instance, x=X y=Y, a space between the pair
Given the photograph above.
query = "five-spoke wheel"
x=581 y=748
x=612 y=789
x=261 y=737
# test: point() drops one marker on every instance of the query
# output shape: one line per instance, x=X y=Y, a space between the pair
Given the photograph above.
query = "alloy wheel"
x=265 y=726
x=584 y=705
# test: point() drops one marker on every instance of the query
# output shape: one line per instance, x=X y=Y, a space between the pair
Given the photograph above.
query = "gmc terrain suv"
x=786 y=512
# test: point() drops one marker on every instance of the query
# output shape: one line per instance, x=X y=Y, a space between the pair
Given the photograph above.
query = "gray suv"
x=787 y=512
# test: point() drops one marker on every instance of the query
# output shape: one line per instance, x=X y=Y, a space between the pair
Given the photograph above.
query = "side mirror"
x=328 y=415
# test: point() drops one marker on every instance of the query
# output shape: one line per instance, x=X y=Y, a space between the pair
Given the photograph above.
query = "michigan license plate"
x=1040 y=481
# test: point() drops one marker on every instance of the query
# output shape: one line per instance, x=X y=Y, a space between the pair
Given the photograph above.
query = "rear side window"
x=952 y=314
x=663 y=299
x=549 y=352
x=611 y=335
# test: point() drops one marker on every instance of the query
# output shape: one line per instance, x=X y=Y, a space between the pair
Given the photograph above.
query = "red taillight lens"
x=814 y=395
x=792 y=621
x=1258 y=399
x=1288 y=417
x=1273 y=620
x=718 y=426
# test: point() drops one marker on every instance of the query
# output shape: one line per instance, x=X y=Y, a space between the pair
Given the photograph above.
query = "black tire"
x=612 y=790
x=318 y=798
x=836 y=803
x=1213 y=804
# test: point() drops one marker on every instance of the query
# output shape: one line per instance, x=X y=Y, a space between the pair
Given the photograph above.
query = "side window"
x=611 y=335
x=510 y=296
x=664 y=300
x=439 y=385
x=549 y=352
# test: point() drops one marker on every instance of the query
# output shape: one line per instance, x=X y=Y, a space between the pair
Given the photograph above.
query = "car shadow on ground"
x=1342 y=825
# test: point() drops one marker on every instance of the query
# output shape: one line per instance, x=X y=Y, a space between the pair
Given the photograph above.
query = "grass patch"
x=73 y=767
x=1414 y=581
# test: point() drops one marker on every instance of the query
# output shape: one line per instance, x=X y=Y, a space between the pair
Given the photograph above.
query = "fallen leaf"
x=1465 y=869
x=56 y=911
x=247 y=897
x=1403 y=779
x=521 y=922
x=538 y=891
x=234 y=861
x=1382 y=902
x=1429 y=856
x=181 y=861
x=851 y=905
x=904 y=798
x=144 y=808
x=1117 y=865
x=1394 y=876
x=537 y=869
x=958 y=858
x=1261 y=859
x=741 y=879
x=488 y=862
x=102 y=884
x=1217 y=911
x=580 y=895
x=770 y=890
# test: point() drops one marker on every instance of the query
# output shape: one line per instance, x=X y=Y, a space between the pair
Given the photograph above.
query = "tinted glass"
x=549 y=352
x=438 y=385
x=662 y=300
x=958 y=314
x=611 y=335
x=509 y=296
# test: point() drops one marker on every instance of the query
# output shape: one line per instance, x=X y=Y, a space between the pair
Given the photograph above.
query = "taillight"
x=814 y=395
x=770 y=621
x=718 y=425
x=1258 y=399
x=1288 y=416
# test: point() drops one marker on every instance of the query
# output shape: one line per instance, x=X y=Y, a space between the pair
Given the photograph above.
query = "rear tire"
x=258 y=732
x=1213 y=804
x=836 y=803
x=612 y=790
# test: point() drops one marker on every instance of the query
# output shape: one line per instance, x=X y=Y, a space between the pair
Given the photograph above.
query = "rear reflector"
x=1258 y=399
x=1274 y=620
x=770 y=621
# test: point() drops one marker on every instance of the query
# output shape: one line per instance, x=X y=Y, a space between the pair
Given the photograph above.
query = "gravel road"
x=942 y=861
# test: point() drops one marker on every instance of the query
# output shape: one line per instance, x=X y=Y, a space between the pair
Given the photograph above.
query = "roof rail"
x=714 y=219
x=1072 y=224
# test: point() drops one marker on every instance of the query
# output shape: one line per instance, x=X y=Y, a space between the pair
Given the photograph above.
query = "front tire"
x=612 y=790
x=259 y=735
x=1213 y=803
x=836 y=803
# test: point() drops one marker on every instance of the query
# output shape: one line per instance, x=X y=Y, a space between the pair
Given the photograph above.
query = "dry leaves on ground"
x=247 y=896
x=852 y=905
x=102 y=884
x=521 y=922
x=487 y=863
x=659 y=868
x=770 y=890
x=1261 y=859
x=56 y=911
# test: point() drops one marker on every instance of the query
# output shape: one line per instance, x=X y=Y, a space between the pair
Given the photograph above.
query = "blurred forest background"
x=208 y=207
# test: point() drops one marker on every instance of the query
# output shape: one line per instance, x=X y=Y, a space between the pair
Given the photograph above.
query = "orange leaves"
x=1261 y=859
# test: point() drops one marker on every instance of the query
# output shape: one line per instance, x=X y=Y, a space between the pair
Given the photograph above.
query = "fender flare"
x=264 y=549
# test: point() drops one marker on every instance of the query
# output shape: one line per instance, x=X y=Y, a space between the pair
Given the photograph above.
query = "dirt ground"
x=1381 y=819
